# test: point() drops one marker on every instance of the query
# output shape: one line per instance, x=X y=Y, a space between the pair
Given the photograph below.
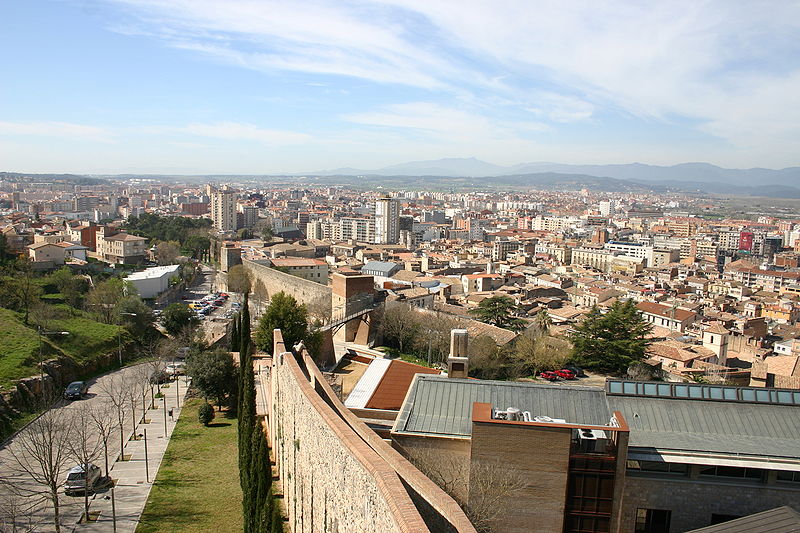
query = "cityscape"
x=398 y=267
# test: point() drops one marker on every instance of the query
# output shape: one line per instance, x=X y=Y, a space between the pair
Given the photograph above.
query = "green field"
x=19 y=344
x=197 y=487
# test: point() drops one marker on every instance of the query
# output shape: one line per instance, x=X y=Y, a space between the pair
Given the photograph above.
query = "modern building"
x=642 y=457
x=223 y=207
x=357 y=229
x=153 y=281
x=387 y=220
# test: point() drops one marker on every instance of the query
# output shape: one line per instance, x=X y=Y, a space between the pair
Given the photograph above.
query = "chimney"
x=458 y=361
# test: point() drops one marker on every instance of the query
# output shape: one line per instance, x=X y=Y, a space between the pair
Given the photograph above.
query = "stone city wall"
x=316 y=296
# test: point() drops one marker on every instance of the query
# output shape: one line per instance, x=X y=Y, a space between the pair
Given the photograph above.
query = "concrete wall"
x=693 y=501
x=314 y=295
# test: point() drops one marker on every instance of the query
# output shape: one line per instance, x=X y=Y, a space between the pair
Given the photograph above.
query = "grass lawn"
x=197 y=487
x=20 y=349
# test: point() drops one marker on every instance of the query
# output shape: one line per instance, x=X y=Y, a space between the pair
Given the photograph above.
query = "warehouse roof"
x=442 y=406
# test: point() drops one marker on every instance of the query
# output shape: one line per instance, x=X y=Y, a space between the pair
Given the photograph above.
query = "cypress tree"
x=247 y=422
x=235 y=335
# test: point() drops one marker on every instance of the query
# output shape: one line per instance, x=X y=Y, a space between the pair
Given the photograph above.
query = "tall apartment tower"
x=223 y=207
x=387 y=220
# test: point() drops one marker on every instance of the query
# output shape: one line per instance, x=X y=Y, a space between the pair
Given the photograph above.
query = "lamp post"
x=119 y=336
x=146 y=466
x=41 y=356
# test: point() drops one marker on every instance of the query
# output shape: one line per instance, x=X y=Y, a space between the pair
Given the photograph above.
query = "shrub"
x=206 y=413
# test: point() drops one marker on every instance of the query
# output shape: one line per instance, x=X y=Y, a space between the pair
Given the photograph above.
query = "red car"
x=549 y=375
x=565 y=374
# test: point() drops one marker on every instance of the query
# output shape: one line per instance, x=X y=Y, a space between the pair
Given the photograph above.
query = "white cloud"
x=729 y=69
x=64 y=130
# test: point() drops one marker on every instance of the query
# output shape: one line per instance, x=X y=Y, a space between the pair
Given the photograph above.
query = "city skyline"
x=137 y=86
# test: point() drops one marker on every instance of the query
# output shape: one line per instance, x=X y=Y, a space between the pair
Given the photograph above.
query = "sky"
x=263 y=86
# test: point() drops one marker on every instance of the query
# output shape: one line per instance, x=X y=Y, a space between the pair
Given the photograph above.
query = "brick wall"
x=692 y=501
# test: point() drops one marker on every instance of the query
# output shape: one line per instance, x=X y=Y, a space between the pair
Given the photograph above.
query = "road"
x=40 y=513
x=22 y=499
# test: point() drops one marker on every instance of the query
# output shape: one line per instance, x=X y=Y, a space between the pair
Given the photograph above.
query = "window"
x=652 y=520
x=732 y=472
x=791 y=477
x=658 y=467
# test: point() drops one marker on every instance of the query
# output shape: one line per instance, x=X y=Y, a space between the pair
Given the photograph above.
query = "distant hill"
x=685 y=172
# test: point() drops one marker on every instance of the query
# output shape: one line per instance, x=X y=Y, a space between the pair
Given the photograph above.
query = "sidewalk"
x=132 y=488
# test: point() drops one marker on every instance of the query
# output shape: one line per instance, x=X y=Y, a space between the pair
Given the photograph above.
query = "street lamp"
x=146 y=466
x=119 y=337
x=41 y=361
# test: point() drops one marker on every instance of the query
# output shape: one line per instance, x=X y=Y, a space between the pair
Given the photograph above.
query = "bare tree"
x=141 y=385
x=260 y=295
x=15 y=509
x=84 y=447
x=118 y=391
x=105 y=421
x=40 y=453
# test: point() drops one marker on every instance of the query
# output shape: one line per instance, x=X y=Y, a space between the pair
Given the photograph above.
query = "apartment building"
x=223 y=208
x=357 y=229
x=387 y=220
x=120 y=247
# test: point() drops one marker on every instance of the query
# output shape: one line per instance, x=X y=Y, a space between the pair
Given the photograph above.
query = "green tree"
x=284 y=313
x=205 y=414
x=71 y=287
x=542 y=322
x=611 y=342
x=139 y=326
x=19 y=289
x=197 y=245
x=499 y=311
x=177 y=317
x=102 y=301
x=247 y=420
x=214 y=374
x=234 y=334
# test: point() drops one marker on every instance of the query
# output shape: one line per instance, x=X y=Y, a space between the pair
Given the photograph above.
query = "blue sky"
x=261 y=86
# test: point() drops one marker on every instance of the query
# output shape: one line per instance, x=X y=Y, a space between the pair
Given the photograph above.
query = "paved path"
x=133 y=484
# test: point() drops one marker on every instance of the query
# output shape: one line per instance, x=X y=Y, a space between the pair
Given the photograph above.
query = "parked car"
x=549 y=375
x=76 y=390
x=578 y=371
x=175 y=369
x=159 y=377
x=565 y=373
x=78 y=480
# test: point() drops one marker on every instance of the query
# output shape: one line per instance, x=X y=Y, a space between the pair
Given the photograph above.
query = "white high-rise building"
x=607 y=208
x=223 y=207
x=387 y=220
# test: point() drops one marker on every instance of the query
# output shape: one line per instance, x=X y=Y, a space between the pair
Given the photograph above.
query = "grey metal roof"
x=382 y=267
x=439 y=405
x=780 y=520
x=710 y=426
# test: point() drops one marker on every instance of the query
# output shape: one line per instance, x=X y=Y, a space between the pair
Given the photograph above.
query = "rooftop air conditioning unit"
x=592 y=441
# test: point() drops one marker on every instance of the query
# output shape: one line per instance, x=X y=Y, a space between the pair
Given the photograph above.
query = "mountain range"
x=685 y=172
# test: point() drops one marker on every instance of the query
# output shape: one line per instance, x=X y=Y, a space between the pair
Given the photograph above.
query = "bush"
x=206 y=413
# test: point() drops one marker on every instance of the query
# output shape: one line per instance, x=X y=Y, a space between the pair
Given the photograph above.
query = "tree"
x=499 y=311
x=176 y=317
x=102 y=301
x=19 y=289
x=71 y=287
x=167 y=253
x=613 y=341
x=247 y=418
x=542 y=322
x=486 y=359
x=197 y=245
x=534 y=353
x=41 y=453
x=235 y=335
x=205 y=414
x=84 y=447
x=284 y=313
x=399 y=325
x=260 y=294
x=238 y=279
x=139 y=325
x=214 y=374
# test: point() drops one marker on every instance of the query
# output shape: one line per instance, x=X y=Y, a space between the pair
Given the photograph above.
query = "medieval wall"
x=316 y=296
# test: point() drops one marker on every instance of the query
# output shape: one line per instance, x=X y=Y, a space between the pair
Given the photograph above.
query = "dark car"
x=76 y=390
x=578 y=371
x=78 y=480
